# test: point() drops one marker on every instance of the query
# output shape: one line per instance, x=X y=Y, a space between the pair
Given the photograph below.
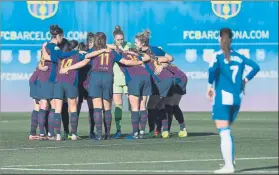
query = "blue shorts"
x=45 y=90
x=63 y=89
x=101 y=85
x=179 y=87
x=225 y=112
x=34 y=90
x=140 y=86
x=164 y=87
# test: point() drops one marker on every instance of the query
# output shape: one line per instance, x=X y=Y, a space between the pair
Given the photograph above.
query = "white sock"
x=227 y=146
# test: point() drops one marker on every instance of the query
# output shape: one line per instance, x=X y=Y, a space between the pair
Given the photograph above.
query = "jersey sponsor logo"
x=226 y=9
x=42 y=9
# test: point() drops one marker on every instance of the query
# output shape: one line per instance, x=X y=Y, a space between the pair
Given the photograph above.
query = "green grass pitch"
x=255 y=133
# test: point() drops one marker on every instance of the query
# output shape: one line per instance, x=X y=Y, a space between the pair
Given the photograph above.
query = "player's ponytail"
x=226 y=39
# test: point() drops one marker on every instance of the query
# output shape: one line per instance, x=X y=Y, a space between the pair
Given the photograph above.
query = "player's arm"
x=161 y=55
x=96 y=53
x=145 y=57
x=118 y=58
x=212 y=71
x=255 y=68
x=41 y=67
x=75 y=66
x=58 y=53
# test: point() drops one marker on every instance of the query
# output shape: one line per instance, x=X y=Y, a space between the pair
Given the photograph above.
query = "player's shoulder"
x=218 y=53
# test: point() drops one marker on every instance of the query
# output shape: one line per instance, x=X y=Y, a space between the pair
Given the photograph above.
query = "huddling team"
x=100 y=73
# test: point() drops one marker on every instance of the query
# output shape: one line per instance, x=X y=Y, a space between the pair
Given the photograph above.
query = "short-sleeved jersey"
x=228 y=77
x=72 y=76
x=152 y=65
x=132 y=71
x=105 y=61
x=55 y=54
x=177 y=73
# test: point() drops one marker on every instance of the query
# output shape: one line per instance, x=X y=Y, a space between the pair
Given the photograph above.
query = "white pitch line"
x=128 y=171
x=142 y=162
x=107 y=145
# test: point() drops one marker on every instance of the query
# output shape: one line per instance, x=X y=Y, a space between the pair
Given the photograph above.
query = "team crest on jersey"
x=226 y=9
x=42 y=9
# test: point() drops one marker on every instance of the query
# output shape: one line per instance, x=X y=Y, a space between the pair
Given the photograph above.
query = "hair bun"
x=55 y=29
x=147 y=33
x=117 y=27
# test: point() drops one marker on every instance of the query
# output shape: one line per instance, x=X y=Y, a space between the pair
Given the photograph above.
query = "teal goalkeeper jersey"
x=119 y=77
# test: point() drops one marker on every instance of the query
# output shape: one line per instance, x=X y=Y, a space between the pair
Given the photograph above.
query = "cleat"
x=51 y=138
x=183 y=133
x=35 y=137
x=141 y=135
x=97 y=138
x=156 y=133
x=42 y=137
x=69 y=137
x=150 y=134
x=92 y=135
x=165 y=134
x=117 y=135
x=58 y=137
x=65 y=136
x=74 y=137
x=132 y=137
x=225 y=170
x=107 y=137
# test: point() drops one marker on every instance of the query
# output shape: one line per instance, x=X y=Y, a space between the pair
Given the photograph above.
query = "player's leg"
x=145 y=91
x=34 y=120
x=46 y=119
x=221 y=116
x=107 y=94
x=107 y=117
x=46 y=92
x=65 y=118
x=169 y=110
x=71 y=93
x=179 y=116
x=42 y=117
x=152 y=112
x=58 y=100
x=91 y=117
x=74 y=117
x=164 y=87
x=98 y=105
x=143 y=116
x=117 y=99
x=79 y=101
x=50 y=120
x=95 y=93
x=135 y=116
x=163 y=116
